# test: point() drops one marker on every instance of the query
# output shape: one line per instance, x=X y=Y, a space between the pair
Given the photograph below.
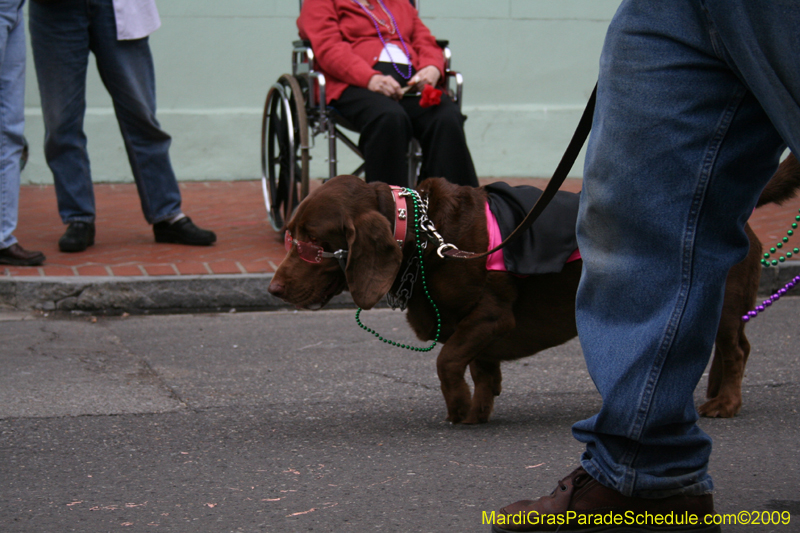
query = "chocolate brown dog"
x=486 y=316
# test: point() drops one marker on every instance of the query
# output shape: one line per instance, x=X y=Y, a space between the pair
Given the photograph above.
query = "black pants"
x=387 y=126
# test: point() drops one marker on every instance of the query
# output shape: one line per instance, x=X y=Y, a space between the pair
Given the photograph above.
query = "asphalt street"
x=299 y=421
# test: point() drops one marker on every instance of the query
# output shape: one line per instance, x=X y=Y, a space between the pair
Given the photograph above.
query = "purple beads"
x=769 y=301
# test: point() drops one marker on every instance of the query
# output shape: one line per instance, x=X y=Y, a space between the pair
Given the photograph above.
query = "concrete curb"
x=144 y=294
x=774 y=278
x=138 y=294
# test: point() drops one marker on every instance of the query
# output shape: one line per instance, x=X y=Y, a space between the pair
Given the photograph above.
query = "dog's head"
x=345 y=214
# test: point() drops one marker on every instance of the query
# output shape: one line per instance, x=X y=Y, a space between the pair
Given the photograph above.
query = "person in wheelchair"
x=377 y=57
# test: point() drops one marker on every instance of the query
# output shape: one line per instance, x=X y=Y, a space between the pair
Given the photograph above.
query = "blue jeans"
x=62 y=35
x=12 y=114
x=697 y=99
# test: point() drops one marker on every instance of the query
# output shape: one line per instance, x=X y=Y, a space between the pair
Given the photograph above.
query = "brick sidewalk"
x=246 y=243
x=124 y=245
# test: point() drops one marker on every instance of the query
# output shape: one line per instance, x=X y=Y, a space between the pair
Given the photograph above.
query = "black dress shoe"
x=183 y=231
x=78 y=237
x=18 y=256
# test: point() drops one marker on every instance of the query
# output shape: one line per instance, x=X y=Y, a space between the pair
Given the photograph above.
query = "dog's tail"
x=783 y=185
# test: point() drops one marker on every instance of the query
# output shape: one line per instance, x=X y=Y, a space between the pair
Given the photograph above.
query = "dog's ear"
x=373 y=259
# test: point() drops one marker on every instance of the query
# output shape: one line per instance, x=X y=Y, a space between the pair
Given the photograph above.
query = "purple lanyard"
x=383 y=41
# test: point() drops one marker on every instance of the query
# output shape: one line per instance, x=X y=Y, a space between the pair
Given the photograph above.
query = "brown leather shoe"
x=18 y=256
x=580 y=503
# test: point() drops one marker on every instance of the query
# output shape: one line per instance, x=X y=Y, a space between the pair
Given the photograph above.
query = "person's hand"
x=427 y=76
x=385 y=85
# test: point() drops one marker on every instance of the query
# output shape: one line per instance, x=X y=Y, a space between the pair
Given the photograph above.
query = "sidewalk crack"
x=151 y=373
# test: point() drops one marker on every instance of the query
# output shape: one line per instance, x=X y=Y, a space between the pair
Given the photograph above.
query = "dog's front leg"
x=487 y=377
x=451 y=368
x=473 y=334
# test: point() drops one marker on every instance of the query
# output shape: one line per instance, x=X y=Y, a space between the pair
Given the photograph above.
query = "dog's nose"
x=276 y=288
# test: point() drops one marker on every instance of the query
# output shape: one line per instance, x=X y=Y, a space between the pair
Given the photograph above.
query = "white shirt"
x=393 y=53
x=135 y=18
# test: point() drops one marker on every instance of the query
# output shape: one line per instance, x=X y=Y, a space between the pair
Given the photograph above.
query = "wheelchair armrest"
x=317 y=88
x=456 y=96
x=302 y=57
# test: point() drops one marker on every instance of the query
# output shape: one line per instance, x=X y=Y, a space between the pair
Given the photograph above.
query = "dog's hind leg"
x=725 y=377
x=487 y=378
x=714 y=376
x=732 y=348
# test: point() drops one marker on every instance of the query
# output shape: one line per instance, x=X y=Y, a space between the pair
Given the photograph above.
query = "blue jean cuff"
x=628 y=489
x=89 y=220
x=167 y=217
x=8 y=243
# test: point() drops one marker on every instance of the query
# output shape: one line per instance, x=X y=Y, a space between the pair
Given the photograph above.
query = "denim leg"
x=681 y=148
x=60 y=45
x=12 y=117
x=126 y=68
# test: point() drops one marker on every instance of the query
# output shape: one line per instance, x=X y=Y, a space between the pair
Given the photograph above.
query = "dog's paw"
x=456 y=418
x=479 y=414
x=458 y=414
x=474 y=419
x=720 y=407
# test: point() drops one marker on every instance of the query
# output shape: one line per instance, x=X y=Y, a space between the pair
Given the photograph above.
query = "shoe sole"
x=22 y=263
x=174 y=240
x=78 y=248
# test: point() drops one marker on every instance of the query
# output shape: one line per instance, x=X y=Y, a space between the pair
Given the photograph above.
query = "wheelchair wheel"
x=284 y=150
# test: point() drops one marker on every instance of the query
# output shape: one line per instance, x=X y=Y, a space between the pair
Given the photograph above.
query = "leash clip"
x=441 y=249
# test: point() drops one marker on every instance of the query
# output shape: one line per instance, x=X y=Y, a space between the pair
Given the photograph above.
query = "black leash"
x=567 y=160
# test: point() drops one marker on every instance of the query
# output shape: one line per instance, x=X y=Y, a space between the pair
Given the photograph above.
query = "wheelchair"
x=293 y=118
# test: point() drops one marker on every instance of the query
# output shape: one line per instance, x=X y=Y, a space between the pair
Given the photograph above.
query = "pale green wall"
x=529 y=66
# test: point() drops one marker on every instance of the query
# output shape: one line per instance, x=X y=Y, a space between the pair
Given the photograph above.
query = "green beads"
x=779 y=246
x=424 y=288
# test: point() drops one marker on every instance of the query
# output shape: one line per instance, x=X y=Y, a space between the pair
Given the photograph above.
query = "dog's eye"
x=306 y=237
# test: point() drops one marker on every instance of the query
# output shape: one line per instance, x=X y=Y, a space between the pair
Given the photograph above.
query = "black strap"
x=567 y=160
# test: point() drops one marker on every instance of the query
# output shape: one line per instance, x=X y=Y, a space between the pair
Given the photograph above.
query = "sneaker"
x=580 y=503
x=183 y=231
x=78 y=237
x=18 y=256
